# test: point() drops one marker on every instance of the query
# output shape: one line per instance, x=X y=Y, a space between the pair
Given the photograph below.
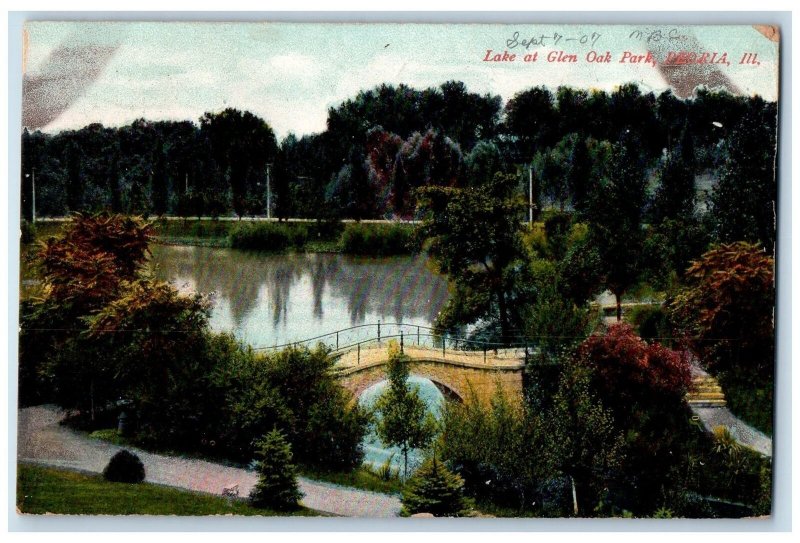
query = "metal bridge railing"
x=357 y=337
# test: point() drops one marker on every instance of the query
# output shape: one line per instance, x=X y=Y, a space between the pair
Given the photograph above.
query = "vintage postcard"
x=397 y=270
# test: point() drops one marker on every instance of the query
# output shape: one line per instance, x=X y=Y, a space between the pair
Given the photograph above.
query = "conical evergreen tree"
x=277 y=480
x=436 y=490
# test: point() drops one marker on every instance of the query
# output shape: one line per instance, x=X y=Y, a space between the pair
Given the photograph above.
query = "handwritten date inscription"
x=551 y=40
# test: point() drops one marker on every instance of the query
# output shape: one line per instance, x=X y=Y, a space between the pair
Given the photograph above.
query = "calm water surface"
x=267 y=299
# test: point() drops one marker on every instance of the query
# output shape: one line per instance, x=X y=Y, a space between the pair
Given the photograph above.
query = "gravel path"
x=41 y=440
x=741 y=431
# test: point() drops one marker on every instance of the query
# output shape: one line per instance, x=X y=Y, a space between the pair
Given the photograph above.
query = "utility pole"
x=186 y=184
x=530 y=196
x=269 y=195
x=33 y=191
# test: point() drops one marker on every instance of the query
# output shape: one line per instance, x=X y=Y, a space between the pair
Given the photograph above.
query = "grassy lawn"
x=112 y=436
x=46 y=490
x=360 y=478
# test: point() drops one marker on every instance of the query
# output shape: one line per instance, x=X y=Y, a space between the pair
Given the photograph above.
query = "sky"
x=78 y=73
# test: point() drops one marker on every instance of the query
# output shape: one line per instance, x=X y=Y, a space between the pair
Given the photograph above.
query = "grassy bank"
x=193 y=232
x=361 y=478
x=43 y=490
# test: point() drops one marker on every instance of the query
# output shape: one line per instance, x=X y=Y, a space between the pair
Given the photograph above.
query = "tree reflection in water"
x=268 y=299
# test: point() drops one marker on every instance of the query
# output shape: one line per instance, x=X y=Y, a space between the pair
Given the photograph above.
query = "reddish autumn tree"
x=381 y=151
x=94 y=254
x=429 y=159
x=91 y=275
x=629 y=370
x=643 y=385
x=726 y=310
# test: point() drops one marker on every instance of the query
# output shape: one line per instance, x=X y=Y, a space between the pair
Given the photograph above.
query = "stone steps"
x=705 y=392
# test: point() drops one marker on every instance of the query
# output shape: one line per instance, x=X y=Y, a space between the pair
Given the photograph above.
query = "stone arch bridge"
x=463 y=376
x=462 y=369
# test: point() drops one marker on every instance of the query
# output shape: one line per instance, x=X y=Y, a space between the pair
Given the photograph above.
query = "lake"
x=274 y=299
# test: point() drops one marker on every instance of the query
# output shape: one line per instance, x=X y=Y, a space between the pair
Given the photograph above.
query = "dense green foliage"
x=606 y=433
x=473 y=237
x=385 y=142
x=743 y=205
x=106 y=337
x=277 y=478
x=651 y=323
x=43 y=490
x=124 y=467
x=436 y=490
x=499 y=450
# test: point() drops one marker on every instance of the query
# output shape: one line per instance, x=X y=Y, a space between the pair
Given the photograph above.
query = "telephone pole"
x=269 y=196
x=530 y=197
x=32 y=175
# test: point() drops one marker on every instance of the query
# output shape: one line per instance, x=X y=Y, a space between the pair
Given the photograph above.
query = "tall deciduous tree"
x=588 y=446
x=743 y=204
x=429 y=159
x=474 y=239
x=614 y=215
x=159 y=182
x=531 y=120
x=382 y=148
x=675 y=197
x=404 y=420
x=242 y=144
x=482 y=163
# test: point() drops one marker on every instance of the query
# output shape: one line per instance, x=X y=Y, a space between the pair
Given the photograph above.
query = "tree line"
x=385 y=143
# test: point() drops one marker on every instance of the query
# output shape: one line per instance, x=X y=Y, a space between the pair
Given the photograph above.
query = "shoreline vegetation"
x=367 y=238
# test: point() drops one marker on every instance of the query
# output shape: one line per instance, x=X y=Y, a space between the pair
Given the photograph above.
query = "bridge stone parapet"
x=460 y=375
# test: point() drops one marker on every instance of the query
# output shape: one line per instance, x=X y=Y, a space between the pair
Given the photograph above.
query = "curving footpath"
x=42 y=440
x=742 y=432
x=746 y=435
